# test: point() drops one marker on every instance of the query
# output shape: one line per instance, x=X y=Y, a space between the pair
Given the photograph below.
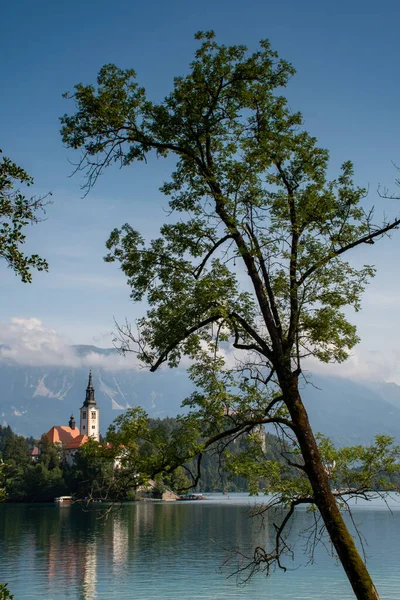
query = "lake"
x=147 y=551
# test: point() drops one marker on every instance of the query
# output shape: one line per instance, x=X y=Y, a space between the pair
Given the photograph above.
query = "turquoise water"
x=146 y=551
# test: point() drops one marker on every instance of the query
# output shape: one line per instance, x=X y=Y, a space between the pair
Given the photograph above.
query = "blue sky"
x=347 y=86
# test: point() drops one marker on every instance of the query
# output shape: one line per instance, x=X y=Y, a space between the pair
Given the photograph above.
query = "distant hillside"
x=33 y=399
x=390 y=392
x=350 y=412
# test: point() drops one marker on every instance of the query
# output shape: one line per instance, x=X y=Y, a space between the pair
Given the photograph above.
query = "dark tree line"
x=28 y=480
x=47 y=476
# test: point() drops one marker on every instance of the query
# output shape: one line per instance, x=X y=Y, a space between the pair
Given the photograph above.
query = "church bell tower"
x=90 y=413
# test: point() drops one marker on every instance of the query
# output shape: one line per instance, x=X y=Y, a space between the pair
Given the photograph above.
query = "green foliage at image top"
x=250 y=194
x=16 y=213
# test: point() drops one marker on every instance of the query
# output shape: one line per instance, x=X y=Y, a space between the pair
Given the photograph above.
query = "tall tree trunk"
x=343 y=542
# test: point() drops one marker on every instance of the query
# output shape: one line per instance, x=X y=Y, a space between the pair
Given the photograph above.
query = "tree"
x=5 y=593
x=5 y=433
x=16 y=464
x=255 y=257
x=44 y=480
x=16 y=212
x=43 y=484
x=50 y=455
x=92 y=475
x=3 y=491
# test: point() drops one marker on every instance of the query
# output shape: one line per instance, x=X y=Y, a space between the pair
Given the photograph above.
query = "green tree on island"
x=254 y=255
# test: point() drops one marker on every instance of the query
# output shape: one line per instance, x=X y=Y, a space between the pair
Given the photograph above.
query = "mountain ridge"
x=34 y=398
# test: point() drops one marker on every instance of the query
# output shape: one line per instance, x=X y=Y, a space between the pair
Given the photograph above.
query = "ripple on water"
x=145 y=550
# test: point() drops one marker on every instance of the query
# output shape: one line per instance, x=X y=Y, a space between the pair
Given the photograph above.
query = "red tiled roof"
x=77 y=442
x=61 y=434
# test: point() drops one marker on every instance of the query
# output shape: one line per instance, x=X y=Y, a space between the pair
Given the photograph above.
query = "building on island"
x=90 y=414
x=72 y=437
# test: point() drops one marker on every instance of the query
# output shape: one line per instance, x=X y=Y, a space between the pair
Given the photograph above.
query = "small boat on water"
x=63 y=500
x=193 y=497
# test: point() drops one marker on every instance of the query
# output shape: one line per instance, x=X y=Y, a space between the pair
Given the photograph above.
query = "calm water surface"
x=149 y=551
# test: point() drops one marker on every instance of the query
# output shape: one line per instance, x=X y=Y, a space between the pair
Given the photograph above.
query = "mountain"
x=390 y=392
x=350 y=412
x=33 y=399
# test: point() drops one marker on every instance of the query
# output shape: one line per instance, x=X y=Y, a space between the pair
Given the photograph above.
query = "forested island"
x=34 y=470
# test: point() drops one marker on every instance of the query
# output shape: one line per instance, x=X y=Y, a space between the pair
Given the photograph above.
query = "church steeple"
x=90 y=399
x=72 y=422
x=89 y=413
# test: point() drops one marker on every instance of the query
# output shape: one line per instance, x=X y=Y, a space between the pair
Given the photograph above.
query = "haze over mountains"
x=33 y=398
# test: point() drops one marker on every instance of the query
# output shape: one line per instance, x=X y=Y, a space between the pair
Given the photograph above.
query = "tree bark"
x=343 y=542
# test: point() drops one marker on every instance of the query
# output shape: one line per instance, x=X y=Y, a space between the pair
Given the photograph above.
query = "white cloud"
x=110 y=362
x=363 y=364
x=230 y=355
x=27 y=341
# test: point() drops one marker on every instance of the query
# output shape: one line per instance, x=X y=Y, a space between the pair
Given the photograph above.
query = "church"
x=72 y=437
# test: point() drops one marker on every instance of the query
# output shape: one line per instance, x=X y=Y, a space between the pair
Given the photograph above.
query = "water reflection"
x=90 y=572
x=120 y=545
x=147 y=550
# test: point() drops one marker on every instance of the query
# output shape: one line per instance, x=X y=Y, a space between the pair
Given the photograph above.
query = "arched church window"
x=84 y=414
